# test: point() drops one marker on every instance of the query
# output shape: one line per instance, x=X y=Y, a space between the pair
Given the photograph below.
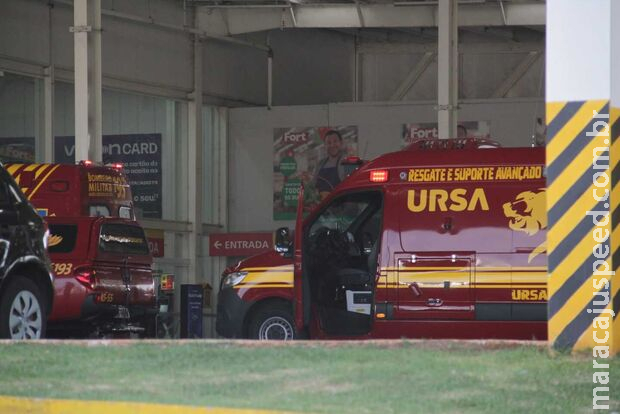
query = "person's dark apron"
x=327 y=179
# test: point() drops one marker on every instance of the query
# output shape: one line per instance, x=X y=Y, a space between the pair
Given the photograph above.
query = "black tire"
x=23 y=300
x=272 y=322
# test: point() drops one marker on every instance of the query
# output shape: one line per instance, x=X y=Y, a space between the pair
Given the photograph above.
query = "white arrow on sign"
x=217 y=244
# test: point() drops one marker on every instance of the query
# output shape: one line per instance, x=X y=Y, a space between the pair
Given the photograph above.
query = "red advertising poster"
x=239 y=244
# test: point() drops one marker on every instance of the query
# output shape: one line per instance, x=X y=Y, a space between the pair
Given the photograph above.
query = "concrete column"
x=48 y=115
x=583 y=196
x=447 y=66
x=46 y=149
x=195 y=176
x=269 y=78
x=95 y=114
x=87 y=62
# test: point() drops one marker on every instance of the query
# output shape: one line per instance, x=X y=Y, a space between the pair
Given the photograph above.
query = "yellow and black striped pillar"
x=582 y=177
x=583 y=195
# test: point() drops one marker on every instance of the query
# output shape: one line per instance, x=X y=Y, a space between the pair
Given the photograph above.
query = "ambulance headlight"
x=233 y=279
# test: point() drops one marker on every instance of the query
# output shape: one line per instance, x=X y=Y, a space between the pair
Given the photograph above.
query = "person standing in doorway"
x=330 y=171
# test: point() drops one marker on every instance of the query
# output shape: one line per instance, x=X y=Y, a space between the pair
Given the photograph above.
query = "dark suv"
x=26 y=291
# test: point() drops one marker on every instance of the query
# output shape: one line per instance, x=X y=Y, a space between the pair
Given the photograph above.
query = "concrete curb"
x=17 y=405
x=383 y=343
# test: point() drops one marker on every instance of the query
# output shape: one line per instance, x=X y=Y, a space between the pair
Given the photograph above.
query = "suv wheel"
x=272 y=322
x=22 y=311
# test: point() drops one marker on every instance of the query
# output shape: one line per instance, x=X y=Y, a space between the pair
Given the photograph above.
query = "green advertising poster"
x=312 y=156
x=290 y=193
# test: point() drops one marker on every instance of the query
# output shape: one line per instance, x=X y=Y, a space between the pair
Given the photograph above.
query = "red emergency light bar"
x=352 y=161
x=452 y=144
x=89 y=163
x=379 y=176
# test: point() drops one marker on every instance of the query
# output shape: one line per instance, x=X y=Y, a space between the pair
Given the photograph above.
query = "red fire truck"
x=85 y=189
x=434 y=241
x=99 y=253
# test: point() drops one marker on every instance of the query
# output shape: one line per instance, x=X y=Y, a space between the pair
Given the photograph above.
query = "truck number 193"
x=62 y=269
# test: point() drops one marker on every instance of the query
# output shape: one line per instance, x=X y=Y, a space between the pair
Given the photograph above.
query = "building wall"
x=17 y=109
x=483 y=67
x=379 y=127
x=148 y=79
x=310 y=66
x=143 y=54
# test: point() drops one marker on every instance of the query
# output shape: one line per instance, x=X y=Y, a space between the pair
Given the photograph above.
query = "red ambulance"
x=99 y=253
x=433 y=241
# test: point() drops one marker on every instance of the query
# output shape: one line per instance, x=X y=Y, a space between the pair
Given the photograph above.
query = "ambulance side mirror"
x=283 y=241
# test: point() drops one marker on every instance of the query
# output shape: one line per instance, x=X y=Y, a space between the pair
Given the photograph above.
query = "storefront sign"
x=465 y=129
x=155 y=239
x=239 y=244
x=17 y=150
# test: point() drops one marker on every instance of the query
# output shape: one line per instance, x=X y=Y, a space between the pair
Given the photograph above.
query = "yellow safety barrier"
x=583 y=214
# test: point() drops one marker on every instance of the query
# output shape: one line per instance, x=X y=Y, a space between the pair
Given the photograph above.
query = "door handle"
x=415 y=289
x=434 y=302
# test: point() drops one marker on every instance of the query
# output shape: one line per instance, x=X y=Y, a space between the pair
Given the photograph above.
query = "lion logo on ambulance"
x=528 y=213
x=53 y=240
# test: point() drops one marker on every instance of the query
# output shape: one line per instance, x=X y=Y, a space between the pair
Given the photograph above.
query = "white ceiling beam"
x=245 y=20
x=292 y=12
x=502 y=90
x=360 y=15
x=413 y=76
x=381 y=47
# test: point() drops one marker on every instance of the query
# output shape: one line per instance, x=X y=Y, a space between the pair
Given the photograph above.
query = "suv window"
x=62 y=238
x=124 y=212
x=121 y=238
x=98 y=211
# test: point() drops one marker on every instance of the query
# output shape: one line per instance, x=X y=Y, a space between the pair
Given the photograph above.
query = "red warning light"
x=379 y=176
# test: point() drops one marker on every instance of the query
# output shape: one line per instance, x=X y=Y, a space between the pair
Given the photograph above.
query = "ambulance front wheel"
x=272 y=322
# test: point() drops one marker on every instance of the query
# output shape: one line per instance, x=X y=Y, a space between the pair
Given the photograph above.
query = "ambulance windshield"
x=340 y=215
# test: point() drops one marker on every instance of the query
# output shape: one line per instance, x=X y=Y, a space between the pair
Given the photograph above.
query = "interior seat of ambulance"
x=343 y=246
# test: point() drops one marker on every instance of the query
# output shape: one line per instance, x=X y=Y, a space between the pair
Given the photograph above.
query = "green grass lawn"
x=352 y=378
